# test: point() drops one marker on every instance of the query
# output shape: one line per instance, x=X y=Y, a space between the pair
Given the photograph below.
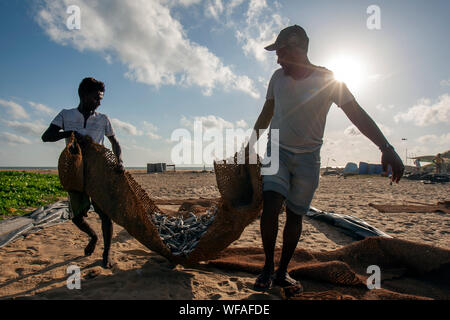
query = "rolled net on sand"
x=90 y=167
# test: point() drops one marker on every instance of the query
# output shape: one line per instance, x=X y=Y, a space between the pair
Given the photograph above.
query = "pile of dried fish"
x=182 y=235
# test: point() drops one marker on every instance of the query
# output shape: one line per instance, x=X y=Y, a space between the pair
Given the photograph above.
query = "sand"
x=36 y=267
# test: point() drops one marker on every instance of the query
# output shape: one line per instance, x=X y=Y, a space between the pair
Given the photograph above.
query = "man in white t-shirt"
x=298 y=99
x=82 y=121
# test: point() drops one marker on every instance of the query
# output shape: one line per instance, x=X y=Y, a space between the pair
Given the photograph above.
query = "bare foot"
x=283 y=280
x=90 y=247
x=264 y=280
x=107 y=262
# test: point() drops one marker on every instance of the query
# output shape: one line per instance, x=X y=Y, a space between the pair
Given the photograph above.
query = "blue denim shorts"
x=297 y=179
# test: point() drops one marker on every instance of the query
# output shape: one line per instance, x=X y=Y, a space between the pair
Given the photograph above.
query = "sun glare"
x=348 y=70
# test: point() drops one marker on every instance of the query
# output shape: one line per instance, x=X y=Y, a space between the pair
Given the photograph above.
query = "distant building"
x=156 y=167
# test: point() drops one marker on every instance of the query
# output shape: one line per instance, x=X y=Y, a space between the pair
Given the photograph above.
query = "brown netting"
x=70 y=167
x=409 y=270
x=120 y=197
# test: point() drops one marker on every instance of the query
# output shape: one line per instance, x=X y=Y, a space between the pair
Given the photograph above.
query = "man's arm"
x=262 y=122
x=368 y=127
x=264 y=118
x=117 y=151
x=54 y=133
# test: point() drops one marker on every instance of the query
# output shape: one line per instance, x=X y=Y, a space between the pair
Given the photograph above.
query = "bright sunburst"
x=347 y=69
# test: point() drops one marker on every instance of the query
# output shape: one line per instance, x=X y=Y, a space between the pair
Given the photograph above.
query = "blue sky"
x=168 y=63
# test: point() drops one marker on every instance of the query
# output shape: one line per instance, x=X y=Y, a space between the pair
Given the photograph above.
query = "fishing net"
x=91 y=168
x=408 y=270
x=70 y=167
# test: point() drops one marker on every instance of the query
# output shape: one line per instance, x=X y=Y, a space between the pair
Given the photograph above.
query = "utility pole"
x=406 y=152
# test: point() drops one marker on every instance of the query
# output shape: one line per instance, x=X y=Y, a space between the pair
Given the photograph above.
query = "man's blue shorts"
x=297 y=179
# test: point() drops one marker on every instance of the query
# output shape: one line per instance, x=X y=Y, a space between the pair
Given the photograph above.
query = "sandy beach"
x=35 y=267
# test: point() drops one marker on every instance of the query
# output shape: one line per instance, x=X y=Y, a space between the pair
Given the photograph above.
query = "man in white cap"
x=298 y=99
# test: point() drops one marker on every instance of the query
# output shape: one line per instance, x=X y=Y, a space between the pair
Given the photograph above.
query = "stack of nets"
x=118 y=195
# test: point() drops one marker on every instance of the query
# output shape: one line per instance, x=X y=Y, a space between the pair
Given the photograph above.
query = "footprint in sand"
x=408 y=223
x=40 y=262
x=239 y=284
x=19 y=271
x=224 y=283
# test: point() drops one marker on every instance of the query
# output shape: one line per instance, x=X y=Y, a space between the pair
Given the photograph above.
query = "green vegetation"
x=20 y=192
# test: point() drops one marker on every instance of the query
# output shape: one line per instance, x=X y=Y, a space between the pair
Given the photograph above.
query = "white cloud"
x=151 y=129
x=13 y=139
x=148 y=129
x=425 y=113
x=382 y=108
x=431 y=139
x=241 y=124
x=213 y=122
x=185 y=3
x=387 y=131
x=256 y=28
x=185 y=122
x=231 y=5
x=126 y=127
x=214 y=8
x=352 y=131
x=145 y=37
x=41 y=107
x=153 y=135
x=29 y=128
x=263 y=24
x=14 y=109
x=149 y=126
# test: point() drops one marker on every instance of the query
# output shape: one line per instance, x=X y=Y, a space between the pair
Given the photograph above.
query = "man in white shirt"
x=82 y=121
x=298 y=99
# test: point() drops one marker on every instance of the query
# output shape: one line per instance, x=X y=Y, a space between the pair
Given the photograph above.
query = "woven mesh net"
x=408 y=270
x=70 y=167
x=120 y=197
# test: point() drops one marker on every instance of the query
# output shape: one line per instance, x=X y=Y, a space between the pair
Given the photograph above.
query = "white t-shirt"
x=301 y=107
x=97 y=126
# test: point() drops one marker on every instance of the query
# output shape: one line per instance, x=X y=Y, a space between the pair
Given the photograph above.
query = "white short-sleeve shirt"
x=97 y=126
x=301 y=107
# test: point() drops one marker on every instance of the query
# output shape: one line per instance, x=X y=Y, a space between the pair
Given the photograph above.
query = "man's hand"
x=390 y=157
x=119 y=167
x=118 y=152
x=78 y=136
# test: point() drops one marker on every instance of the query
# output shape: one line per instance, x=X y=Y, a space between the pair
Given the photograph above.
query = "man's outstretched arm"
x=54 y=133
x=368 y=127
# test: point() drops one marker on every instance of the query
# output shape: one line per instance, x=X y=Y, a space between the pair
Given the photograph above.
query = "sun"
x=347 y=69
